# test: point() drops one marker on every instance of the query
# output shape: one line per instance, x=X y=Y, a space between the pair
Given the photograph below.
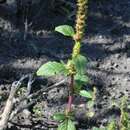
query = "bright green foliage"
x=66 y=30
x=86 y=94
x=51 y=69
x=124 y=118
x=67 y=125
x=80 y=63
x=59 y=116
x=112 y=125
x=75 y=68
x=82 y=78
x=77 y=87
x=124 y=121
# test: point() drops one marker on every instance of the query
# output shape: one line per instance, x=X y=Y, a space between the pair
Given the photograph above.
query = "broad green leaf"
x=71 y=125
x=66 y=30
x=67 y=125
x=77 y=87
x=80 y=64
x=59 y=116
x=82 y=78
x=51 y=69
x=86 y=94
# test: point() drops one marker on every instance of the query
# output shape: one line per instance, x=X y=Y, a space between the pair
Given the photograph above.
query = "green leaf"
x=59 y=116
x=66 y=30
x=67 y=125
x=82 y=78
x=86 y=94
x=51 y=69
x=77 y=87
x=80 y=63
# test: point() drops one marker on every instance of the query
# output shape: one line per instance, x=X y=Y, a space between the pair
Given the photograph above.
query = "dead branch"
x=47 y=89
x=24 y=104
x=10 y=102
x=44 y=90
x=21 y=107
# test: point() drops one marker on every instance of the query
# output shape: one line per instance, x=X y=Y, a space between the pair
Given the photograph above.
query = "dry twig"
x=9 y=104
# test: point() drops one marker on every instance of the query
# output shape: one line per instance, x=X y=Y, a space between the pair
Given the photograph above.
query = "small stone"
x=104 y=121
x=105 y=97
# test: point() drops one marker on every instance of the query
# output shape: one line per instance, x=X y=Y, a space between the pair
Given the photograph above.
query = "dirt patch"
x=106 y=44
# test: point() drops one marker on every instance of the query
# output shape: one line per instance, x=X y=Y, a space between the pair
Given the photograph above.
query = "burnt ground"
x=106 y=44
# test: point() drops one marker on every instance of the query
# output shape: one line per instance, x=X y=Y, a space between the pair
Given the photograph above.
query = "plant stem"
x=70 y=98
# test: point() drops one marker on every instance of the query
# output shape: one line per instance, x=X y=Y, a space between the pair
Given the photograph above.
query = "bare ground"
x=106 y=44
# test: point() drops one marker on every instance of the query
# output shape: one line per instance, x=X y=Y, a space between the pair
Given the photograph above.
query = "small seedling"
x=90 y=104
x=112 y=125
x=124 y=117
x=21 y=91
x=124 y=123
x=74 y=69
x=37 y=109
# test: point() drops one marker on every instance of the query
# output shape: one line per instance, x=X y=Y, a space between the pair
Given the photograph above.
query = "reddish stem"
x=70 y=98
x=69 y=104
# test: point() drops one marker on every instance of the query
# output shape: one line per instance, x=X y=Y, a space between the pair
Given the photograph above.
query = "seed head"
x=80 y=19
